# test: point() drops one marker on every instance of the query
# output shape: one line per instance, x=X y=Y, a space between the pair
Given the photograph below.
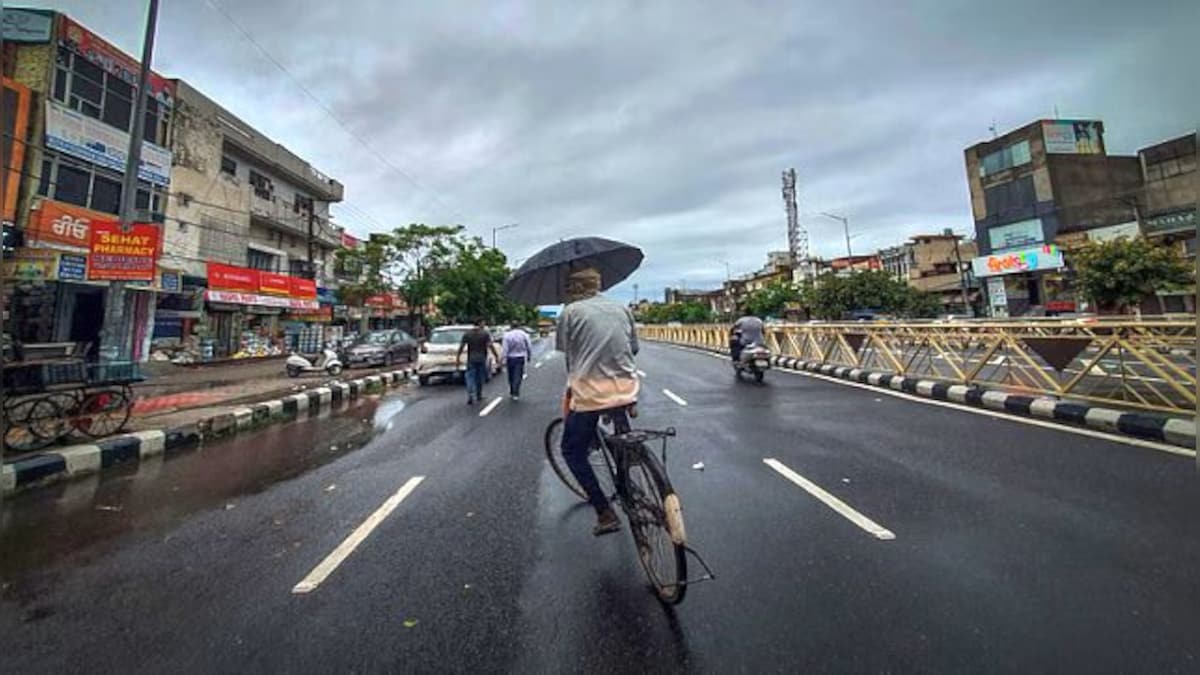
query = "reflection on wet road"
x=73 y=517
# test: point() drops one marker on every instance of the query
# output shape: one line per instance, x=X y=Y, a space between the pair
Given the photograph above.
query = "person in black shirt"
x=477 y=342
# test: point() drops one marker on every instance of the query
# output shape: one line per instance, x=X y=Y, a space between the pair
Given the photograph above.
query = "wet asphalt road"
x=1016 y=547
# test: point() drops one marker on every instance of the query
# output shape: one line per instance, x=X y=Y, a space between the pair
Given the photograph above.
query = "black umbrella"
x=542 y=280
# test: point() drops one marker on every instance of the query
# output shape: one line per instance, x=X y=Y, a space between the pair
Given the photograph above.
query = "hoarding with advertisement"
x=1170 y=223
x=117 y=255
x=72 y=267
x=1022 y=234
x=1072 y=137
x=16 y=125
x=90 y=139
x=58 y=225
x=111 y=60
x=1047 y=257
x=32 y=264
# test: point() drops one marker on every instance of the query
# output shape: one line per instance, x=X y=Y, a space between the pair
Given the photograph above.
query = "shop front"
x=253 y=314
x=1021 y=282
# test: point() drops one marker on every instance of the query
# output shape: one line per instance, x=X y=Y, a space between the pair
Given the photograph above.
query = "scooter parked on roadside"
x=328 y=362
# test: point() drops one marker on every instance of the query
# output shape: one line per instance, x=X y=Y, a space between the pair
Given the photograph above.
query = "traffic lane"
x=1002 y=514
x=588 y=603
x=235 y=566
x=435 y=586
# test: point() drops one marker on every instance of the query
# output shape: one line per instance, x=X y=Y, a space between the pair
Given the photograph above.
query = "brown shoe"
x=606 y=522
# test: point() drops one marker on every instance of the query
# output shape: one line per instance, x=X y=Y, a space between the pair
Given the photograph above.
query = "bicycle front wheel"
x=102 y=413
x=656 y=522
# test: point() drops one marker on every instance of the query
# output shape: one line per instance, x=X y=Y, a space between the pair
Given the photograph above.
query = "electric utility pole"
x=962 y=278
x=115 y=336
x=312 y=221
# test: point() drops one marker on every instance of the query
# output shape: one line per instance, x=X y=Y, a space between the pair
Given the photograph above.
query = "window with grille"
x=86 y=87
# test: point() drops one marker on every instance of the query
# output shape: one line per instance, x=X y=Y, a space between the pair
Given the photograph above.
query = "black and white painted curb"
x=1171 y=430
x=77 y=461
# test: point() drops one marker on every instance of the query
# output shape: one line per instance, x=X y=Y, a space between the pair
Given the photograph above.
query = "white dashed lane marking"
x=673 y=396
x=491 y=406
x=343 y=551
x=842 y=508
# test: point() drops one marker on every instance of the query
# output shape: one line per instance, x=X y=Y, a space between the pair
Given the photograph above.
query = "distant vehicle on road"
x=440 y=351
x=382 y=348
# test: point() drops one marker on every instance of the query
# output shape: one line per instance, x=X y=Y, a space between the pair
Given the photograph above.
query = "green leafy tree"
x=1120 y=273
x=683 y=312
x=472 y=283
x=772 y=300
x=833 y=297
x=420 y=253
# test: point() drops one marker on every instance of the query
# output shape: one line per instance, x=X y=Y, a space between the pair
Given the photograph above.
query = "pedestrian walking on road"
x=517 y=350
x=477 y=342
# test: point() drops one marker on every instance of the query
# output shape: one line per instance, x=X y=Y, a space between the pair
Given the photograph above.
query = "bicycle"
x=637 y=480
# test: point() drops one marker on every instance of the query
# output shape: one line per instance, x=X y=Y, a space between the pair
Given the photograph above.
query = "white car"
x=439 y=352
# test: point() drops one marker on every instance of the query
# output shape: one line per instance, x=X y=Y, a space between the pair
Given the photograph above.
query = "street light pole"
x=846 y=227
x=113 y=336
x=502 y=227
x=728 y=275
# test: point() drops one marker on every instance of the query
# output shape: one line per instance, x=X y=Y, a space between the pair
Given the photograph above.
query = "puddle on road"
x=76 y=518
x=386 y=411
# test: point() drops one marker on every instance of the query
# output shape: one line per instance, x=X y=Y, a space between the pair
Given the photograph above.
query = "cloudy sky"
x=667 y=124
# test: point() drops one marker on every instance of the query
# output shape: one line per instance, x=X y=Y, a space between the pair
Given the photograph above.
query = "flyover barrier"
x=1147 y=364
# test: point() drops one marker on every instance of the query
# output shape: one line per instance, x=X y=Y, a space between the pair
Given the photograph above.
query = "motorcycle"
x=328 y=362
x=754 y=359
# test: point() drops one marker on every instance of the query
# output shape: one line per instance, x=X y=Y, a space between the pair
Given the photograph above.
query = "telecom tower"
x=797 y=236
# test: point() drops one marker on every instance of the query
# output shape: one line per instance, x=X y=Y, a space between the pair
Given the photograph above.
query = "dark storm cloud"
x=668 y=124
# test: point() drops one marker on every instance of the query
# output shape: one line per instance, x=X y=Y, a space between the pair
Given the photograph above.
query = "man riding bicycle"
x=598 y=337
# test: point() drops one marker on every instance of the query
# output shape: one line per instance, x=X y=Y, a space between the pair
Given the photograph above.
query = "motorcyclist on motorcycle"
x=746 y=331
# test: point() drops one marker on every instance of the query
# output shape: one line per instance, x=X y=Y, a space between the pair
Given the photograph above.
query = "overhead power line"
x=332 y=113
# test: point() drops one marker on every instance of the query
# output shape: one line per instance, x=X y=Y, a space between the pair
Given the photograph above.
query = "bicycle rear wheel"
x=33 y=424
x=553 y=444
x=656 y=523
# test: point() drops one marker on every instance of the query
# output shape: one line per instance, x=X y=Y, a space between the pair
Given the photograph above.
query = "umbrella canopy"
x=542 y=280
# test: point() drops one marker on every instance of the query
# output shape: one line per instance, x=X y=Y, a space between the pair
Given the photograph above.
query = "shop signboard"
x=303 y=288
x=119 y=255
x=110 y=59
x=1042 y=258
x=14 y=123
x=1072 y=137
x=324 y=314
x=90 y=139
x=32 y=264
x=27 y=25
x=59 y=225
x=72 y=267
x=1122 y=231
x=1016 y=235
x=171 y=281
x=239 y=298
x=232 y=278
x=327 y=296
x=274 y=283
x=996 y=295
x=378 y=300
x=1170 y=223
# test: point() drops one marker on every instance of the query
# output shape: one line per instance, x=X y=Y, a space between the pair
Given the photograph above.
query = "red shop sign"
x=379 y=300
x=276 y=284
x=303 y=288
x=119 y=255
x=231 y=278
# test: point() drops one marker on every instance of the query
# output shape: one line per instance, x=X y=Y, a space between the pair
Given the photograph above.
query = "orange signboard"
x=58 y=224
x=123 y=256
x=16 y=121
